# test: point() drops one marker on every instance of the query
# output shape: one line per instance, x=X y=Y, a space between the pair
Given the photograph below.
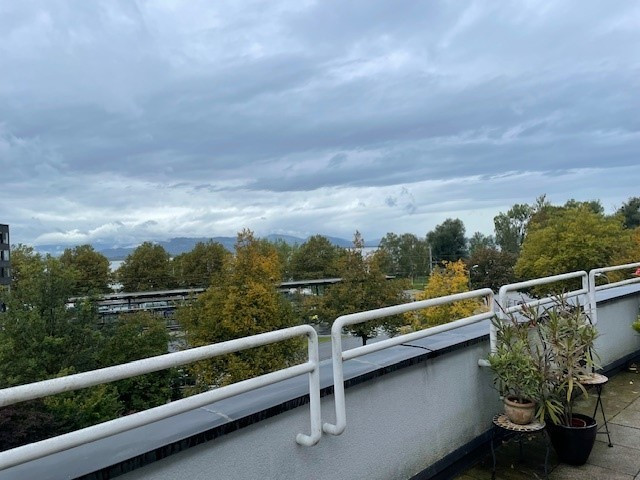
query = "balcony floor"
x=621 y=398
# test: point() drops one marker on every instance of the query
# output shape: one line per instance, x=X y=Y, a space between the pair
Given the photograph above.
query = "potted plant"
x=518 y=376
x=566 y=338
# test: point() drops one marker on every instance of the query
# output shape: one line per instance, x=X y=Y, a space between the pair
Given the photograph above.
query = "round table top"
x=594 y=379
x=502 y=421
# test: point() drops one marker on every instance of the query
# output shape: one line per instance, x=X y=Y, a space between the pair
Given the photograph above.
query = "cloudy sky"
x=128 y=120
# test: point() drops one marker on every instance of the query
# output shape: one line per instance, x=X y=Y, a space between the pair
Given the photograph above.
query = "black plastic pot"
x=573 y=444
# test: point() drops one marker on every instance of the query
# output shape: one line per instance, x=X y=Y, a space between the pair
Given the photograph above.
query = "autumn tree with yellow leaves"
x=450 y=278
x=242 y=301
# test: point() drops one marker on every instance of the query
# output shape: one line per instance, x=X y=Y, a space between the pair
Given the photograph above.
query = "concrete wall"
x=397 y=425
x=617 y=338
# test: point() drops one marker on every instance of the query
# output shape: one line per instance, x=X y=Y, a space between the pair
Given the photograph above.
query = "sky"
x=126 y=121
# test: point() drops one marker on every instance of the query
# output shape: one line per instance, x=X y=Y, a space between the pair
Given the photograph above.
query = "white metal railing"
x=25 y=453
x=504 y=310
x=338 y=356
x=593 y=288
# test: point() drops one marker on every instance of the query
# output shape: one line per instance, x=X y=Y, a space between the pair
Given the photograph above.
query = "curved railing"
x=593 y=288
x=339 y=356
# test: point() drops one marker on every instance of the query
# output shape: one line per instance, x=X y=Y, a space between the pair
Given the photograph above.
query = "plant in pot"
x=518 y=377
x=566 y=349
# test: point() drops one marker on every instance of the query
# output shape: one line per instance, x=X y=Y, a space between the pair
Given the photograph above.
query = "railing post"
x=314 y=394
x=591 y=287
x=338 y=380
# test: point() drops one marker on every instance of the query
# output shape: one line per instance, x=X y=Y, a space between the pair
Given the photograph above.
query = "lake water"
x=114 y=265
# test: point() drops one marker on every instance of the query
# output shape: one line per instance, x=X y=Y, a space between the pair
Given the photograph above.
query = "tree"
x=40 y=338
x=364 y=286
x=571 y=239
x=447 y=241
x=450 y=278
x=594 y=205
x=480 y=241
x=511 y=227
x=242 y=301
x=135 y=336
x=286 y=253
x=491 y=268
x=630 y=211
x=91 y=270
x=146 y=268
x=197 y=267
x=627 y=255
x=316 y=258
x=407 y=255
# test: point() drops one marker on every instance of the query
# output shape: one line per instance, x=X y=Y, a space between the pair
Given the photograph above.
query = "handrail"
x=504 y=310
x=593 y=288
x=25 y=453
x=339 y=356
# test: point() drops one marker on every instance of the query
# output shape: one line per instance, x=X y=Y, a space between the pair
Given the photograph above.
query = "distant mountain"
x=178 y=245
x=288 y=239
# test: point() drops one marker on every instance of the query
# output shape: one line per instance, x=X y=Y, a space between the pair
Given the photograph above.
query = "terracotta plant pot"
x=520 y=413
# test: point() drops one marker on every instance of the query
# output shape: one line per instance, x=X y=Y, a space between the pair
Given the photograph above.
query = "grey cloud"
x=123 y=106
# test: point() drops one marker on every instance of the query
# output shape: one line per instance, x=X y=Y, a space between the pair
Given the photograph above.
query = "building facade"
x=5 y=264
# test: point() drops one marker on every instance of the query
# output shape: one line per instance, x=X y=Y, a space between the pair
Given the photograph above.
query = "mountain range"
x=178 y=245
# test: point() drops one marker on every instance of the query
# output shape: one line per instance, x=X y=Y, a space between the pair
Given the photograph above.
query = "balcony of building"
x=420 y=408
x=621 y=401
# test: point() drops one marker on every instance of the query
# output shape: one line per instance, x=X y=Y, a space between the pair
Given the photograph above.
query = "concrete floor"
x=621 y=398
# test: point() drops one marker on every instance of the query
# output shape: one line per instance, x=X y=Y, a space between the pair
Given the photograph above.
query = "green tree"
x=91 y=270
x=630 y=211
x=571 y=239
x=450 y=278
x=447 y=241
x=243 y=301
x=594 y=205
x=146 y=268
x=286 y=253
x=627 y=255
x=364 y=286
x=197 y=267
x=407 y=255
x=480 y=241
x=491 y=268
x=511 y=227
x=41 y=338
x=316 y=258
x=135 y=336
x=39 y=335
